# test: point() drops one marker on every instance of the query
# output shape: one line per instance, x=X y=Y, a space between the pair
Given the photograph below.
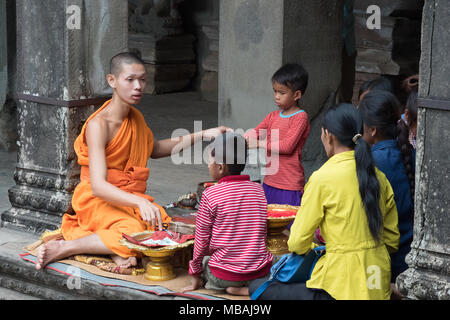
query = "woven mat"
x=89 y=272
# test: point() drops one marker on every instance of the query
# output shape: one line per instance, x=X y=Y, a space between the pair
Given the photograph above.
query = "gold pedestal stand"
x=160 y=267
x=277 y=241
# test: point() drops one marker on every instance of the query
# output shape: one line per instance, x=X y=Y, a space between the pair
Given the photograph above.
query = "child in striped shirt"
x=231 y=225
x=285 y=132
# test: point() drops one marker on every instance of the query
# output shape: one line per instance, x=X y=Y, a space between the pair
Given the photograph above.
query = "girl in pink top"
x=283 y=133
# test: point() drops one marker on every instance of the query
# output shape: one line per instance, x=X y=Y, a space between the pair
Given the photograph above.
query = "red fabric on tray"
x=281 y=214
x=160 y=235
x=177 y=237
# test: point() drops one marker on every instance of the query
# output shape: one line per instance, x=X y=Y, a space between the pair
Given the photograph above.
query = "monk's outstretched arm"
x=167 y=147
x=96 y=138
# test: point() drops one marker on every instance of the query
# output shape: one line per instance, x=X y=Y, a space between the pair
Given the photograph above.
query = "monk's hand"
x=252 y=142
x=196 y=283
x=150 y=213
x=210 y=134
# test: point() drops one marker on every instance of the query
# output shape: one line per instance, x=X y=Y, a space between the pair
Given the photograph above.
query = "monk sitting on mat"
x=110 y=199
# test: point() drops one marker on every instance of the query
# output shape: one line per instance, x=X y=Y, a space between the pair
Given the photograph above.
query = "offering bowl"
x=277 y=241
x=160 y=267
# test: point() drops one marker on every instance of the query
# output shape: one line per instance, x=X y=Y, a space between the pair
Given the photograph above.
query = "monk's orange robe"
x=126 y=158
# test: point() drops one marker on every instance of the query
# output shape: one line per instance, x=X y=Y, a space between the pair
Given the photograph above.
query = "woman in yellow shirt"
x=353 y=204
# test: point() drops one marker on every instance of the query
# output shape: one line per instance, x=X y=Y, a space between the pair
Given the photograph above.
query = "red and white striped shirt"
x=231 y=226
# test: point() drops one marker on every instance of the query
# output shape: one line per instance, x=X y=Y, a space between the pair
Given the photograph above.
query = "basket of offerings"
x=160 y=247
x=279 y=216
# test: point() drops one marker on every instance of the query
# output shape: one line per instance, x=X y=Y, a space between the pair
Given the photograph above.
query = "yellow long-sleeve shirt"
x=354 y=266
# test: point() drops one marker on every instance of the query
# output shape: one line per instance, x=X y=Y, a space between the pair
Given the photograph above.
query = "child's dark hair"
x=381 y=109
x=292 y=75
x=380 y=83
x=344 y=121
x=234 y=144
x=411 y=106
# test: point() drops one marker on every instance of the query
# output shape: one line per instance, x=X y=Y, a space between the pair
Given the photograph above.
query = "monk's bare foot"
x=124 y=263
x=243 y=291
x=50 y=252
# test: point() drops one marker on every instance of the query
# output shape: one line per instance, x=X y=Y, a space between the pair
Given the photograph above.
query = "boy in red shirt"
x=231 y=225
x=285 y=131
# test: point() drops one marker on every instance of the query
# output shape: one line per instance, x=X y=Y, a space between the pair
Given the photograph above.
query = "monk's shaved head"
x=117 y=62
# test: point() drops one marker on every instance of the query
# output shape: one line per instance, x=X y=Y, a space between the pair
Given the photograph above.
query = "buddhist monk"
x=113 y=149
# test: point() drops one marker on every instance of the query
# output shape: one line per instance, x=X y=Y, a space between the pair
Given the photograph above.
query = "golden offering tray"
x=277 y=241
x=160 y=267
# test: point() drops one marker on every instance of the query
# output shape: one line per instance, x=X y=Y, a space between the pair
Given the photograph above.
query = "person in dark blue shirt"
x=395 y=157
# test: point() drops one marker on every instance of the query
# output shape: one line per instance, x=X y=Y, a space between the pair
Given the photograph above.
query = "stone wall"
x=3 y=55
x=8 y=108
x=157 y=34
x=392 y=50
x=201 y=18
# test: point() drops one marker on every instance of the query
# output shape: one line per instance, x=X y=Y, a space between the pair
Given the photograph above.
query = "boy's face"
x=129 y=85
x=284 y=97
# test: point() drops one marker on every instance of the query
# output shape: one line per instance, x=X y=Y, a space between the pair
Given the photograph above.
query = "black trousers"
x=288 y=291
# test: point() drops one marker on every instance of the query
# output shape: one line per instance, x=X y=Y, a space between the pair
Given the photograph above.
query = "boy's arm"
x=167 y=147
x=288 y=142
x=96 y=139
x=260 y=131
x=203 y=230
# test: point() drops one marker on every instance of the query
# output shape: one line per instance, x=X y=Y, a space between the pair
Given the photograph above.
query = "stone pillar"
x=256 y=38
x=428 y=276
x=3 y=55
x=63 y=51
x=8 y=108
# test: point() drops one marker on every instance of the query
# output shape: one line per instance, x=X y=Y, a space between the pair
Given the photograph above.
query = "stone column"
x=256 y=38
x=3 y=55
x=428 y=276
x=63 y=51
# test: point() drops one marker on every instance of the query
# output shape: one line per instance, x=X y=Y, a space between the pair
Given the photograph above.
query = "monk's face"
x=129 y=85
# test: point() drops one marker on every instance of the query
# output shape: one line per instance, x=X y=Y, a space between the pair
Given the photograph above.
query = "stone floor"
x=167 y=182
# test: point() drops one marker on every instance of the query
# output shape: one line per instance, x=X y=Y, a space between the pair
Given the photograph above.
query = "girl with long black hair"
x=395 y=157
x=353 y=204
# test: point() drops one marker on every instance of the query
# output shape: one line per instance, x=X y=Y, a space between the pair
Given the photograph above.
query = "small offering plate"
x=160 y=267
